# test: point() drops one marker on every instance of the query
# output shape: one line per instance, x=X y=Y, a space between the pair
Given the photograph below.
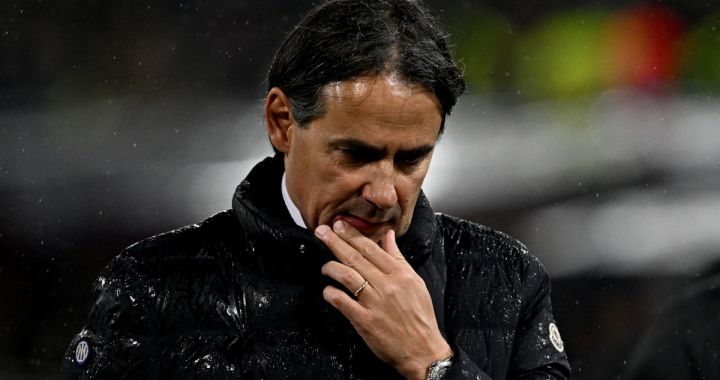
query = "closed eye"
x=356 y=152
x=411 y=158
x=408 y=161
x=362 y=156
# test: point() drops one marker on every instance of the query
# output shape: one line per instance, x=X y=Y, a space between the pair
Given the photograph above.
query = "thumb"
x=390 y=245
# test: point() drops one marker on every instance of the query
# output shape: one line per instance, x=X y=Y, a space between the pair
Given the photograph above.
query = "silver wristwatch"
x=438 y=368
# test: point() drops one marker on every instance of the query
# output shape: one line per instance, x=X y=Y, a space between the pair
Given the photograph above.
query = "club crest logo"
x=82 y=352
x=555 y=338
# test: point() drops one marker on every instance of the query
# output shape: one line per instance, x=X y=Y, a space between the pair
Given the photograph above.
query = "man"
x=331 y=263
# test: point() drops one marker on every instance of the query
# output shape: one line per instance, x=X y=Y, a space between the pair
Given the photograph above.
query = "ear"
x=279 y=119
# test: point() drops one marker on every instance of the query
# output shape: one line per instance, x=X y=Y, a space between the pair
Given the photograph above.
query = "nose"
x=380 y=187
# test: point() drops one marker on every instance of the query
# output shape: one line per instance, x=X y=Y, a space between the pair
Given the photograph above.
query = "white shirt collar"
x=294 y=211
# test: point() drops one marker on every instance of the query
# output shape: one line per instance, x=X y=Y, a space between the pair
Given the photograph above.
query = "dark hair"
x=346 y=39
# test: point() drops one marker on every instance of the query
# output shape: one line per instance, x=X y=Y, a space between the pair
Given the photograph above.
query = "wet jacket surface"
x=240 y=296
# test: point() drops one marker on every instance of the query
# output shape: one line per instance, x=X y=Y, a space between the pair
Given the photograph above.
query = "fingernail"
x=322 y=230
x=339 y=226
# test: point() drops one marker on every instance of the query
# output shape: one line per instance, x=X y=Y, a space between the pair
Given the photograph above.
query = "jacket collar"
x=260 y=210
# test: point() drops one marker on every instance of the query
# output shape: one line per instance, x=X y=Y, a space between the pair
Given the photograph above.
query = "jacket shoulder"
x=147 y=287
x=164 y=259
x=188 y=241
x=468 y=238
x=496 y=286
x=471 y=246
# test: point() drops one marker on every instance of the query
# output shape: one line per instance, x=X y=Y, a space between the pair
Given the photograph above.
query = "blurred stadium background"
x=591 y=131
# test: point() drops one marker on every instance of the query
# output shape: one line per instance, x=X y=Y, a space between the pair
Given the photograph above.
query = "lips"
x=366 y=227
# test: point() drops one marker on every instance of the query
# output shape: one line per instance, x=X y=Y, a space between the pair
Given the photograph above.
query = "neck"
x=292 y=209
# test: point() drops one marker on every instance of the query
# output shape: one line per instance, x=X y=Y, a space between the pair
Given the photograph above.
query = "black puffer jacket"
x=240 y=296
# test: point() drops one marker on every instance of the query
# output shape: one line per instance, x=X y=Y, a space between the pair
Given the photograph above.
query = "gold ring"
x=360 y=289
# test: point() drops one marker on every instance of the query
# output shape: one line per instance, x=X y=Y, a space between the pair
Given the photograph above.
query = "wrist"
x=418 y=369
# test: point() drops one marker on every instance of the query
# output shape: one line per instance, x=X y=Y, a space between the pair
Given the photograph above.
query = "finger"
x=350 y=308
x=390 y=245
x=346 y=253
x=345 y=275
x=367 y=248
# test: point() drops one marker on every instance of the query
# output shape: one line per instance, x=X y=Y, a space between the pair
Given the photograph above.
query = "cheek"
x=336 y=188
x=408 y=190
x=410 y=185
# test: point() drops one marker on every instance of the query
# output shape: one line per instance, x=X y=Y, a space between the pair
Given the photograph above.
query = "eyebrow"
x=354 y=144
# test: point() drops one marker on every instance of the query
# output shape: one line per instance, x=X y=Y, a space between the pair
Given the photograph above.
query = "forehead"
x=382 y=104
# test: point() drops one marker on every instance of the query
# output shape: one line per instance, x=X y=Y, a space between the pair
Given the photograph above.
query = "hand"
x=393 y=314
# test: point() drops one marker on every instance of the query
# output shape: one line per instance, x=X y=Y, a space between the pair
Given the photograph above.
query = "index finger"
x=370 y=250
x=346 y=253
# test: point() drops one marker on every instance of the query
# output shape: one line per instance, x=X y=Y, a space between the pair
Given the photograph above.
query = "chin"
x=400 y=231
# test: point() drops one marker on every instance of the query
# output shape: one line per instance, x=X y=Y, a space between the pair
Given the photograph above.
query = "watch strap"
x=439 y=368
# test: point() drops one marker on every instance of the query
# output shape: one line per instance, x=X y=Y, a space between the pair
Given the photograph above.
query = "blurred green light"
x=561 y=56
x=701 y=66
x=482 y=42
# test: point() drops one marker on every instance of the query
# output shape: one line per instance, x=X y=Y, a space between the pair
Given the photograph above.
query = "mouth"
x=365 y=226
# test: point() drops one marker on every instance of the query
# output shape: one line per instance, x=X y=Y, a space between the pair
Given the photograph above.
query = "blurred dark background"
x=591 y=131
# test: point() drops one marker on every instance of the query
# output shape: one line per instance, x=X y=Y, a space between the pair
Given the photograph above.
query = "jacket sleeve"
x=464 y=368
x=538 y=349
x=117 y=341
x=534 y=349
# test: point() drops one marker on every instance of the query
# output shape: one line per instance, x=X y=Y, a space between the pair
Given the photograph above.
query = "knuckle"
x=361 y=326
x=354 y=259
x=335 y=299
x=347 y=278
x=367 y=320
x=392 y=290
x=406 y=278
x=369 y=251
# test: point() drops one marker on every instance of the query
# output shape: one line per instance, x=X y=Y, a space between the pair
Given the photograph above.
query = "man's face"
x=365 y=159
